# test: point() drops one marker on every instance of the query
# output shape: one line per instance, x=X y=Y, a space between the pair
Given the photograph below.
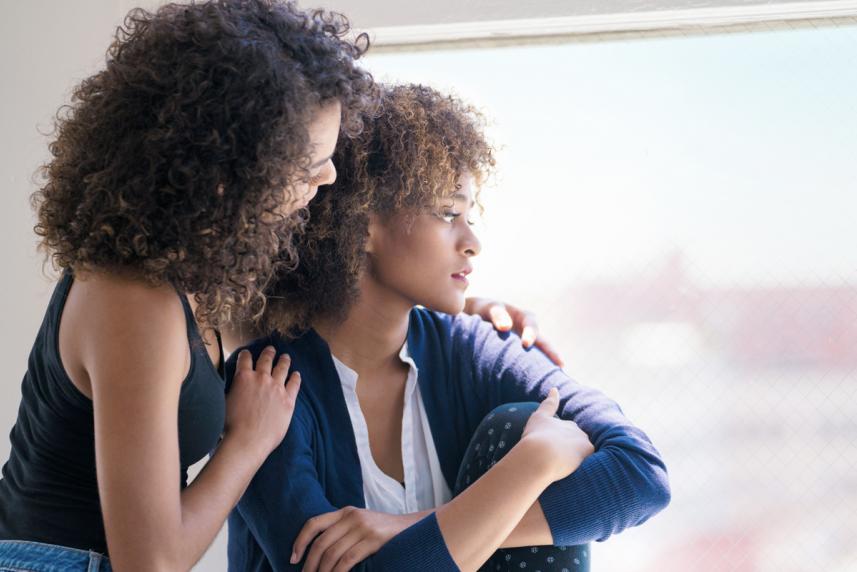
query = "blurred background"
x=675 y=199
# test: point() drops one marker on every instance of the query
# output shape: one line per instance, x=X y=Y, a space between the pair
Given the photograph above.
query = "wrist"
x=245 y=444
x=538 y=458
x=415 y=517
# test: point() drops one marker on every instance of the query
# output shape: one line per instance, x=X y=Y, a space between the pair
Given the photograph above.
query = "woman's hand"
x=347 y=536
x=560 y=442
x=506 y=317
x=260 y=403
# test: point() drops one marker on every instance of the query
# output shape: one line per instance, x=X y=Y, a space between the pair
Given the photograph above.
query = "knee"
x=515 y=413
x=498 y=432
x=504 y=425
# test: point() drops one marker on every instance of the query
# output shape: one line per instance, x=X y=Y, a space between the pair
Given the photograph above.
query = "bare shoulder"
x=132 y=305
x=111 y=322
x=127 y=294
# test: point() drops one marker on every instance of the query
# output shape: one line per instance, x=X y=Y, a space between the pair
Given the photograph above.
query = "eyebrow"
x=321 y=162
x=463 y=197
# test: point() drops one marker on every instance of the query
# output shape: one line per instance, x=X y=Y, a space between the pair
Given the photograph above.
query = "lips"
x=462 y=274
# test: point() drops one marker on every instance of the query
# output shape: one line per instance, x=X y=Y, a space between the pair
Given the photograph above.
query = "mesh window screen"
x=680 y=212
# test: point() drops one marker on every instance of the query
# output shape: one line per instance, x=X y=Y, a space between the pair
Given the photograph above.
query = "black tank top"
x=49 y=492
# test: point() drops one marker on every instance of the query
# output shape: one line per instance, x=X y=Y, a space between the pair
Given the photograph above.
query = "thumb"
x=550 y=404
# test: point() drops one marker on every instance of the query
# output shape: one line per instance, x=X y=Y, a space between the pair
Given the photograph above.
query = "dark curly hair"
x=172 y=163
x=408 y=159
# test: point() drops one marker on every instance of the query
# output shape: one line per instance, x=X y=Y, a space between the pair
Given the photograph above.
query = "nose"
x=326 y=176
x=470 y=244
x=329 y=174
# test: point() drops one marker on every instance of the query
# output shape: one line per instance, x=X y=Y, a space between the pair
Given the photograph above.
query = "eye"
x=448 y=216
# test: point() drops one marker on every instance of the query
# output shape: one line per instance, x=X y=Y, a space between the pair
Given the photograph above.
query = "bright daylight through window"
x=679 y=211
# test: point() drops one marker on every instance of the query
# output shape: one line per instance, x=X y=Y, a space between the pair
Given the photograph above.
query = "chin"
x=452 y=305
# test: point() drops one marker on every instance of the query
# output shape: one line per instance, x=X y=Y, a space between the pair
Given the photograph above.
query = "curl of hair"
x=408 y=159
x=173 y=162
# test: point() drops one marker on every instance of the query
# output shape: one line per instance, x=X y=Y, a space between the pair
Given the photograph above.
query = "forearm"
x=531 y=530
x=480 y=519
x=206 y=503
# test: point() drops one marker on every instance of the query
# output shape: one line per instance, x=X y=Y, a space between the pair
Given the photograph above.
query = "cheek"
x=421 y=259
x=424 y=246
x=400 y=257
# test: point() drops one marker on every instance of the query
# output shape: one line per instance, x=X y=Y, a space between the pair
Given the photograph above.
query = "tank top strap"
x=193 y=332
x=194 y=336
x=60 y=294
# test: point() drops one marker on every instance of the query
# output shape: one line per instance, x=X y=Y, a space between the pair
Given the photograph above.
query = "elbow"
x=159 y=560
x=149 y=565
x=652 y=482
x=647 y=487
x=661 y=494
x=167 y=564
x=656 y=495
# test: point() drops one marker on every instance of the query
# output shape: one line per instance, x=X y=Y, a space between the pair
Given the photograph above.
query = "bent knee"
x=512 y=412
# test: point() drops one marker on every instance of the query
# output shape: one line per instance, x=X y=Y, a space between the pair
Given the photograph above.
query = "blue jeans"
x=26 y=556
x=496 y=434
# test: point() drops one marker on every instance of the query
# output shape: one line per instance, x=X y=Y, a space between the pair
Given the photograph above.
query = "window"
x=680 y=213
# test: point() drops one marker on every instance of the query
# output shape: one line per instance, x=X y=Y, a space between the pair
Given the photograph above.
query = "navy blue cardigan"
x=466 y=369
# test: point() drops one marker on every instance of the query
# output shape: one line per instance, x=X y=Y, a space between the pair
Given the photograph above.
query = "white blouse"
x=425 y=487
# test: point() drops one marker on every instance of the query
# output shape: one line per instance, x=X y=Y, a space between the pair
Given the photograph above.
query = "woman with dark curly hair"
x=423 y=439
x=178 y=176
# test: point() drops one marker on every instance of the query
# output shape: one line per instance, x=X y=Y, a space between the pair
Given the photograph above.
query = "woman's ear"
x=374 y=233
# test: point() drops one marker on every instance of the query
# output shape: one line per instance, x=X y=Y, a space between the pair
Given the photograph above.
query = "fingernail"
x=294 y=558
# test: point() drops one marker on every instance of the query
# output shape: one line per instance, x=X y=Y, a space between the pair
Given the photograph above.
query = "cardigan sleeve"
x=622 y=484
x=283 y=495
x=287 y=491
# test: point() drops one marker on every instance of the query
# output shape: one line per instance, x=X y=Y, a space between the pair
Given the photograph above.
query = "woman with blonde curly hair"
x=422 y=438
x=177 y=179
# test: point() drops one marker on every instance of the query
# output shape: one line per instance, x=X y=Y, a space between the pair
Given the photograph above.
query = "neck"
x=372 y=334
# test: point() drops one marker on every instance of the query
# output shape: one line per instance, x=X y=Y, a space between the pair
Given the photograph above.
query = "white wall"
x=45 y=49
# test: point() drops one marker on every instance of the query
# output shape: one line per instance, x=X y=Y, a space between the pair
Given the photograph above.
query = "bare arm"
x=135 y=355
x=344 y=537
x=477 y=522
x=500 y=509
x=481 y=519
x=531 y=530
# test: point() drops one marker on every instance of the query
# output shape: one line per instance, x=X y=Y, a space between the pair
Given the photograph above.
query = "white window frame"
x=645 y=23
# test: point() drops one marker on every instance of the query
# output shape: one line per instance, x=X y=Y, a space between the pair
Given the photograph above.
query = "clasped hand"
x=345 y=537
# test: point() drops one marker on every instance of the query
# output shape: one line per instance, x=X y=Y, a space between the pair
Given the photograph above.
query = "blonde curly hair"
x=408 y=159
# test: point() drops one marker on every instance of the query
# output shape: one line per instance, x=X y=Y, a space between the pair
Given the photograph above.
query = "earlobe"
x=373 y=233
